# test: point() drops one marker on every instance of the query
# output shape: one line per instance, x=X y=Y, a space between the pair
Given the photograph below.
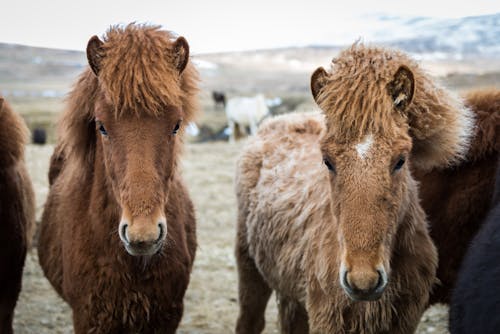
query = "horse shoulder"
x=278 y=198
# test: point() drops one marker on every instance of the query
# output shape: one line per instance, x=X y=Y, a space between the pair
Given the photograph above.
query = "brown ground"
x=211 y=300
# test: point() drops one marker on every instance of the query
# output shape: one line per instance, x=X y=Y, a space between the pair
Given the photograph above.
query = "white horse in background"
x=246 y=112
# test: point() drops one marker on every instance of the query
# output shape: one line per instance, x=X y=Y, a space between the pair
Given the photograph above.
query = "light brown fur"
x=434 y=116
x=302 y=228
x=115 y=188
x=17 y=211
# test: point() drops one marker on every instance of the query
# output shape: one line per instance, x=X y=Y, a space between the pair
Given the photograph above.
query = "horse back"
x=275 y=181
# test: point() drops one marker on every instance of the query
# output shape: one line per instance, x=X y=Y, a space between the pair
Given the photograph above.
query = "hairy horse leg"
x=9 y=293
x=80 y=322
x=174 y=319
x=253 y=293
x=170 y=329
x=293 y=316
x=6 y=317
x=83 y=323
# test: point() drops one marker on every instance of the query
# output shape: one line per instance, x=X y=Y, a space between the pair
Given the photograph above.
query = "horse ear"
x=1 y=103
x=401 y=88
x=318 y=81
x=181 y=53
x=95 y=54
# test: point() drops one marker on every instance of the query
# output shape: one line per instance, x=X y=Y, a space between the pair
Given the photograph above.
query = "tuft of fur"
x=485 y=104
x=355 y=93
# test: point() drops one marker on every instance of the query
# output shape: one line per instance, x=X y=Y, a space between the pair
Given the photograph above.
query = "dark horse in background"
x=475 y=302
x=457 y=199
x=17 y=211
x=118 y=237
x=219 y=99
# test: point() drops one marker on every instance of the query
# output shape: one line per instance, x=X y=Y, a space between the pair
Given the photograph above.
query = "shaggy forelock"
x=138 y=72
x=137 y=75
x=356 y=101
x=355 y=98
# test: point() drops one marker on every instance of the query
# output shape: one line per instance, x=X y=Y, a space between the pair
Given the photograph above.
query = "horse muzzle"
x=364 y=289
x=143 y=239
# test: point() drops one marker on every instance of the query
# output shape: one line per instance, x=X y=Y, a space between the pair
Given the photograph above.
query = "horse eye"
x=330 y=166
x=102 y=129
x=177 y=127
x=399 y=164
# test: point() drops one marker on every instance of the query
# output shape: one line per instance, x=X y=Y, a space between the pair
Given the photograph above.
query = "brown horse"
x=346 y=246
x=117 y=236
x=17 y=211
x=476 y=294
x=458 y=198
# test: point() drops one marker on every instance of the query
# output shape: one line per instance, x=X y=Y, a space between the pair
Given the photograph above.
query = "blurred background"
x=241 y=49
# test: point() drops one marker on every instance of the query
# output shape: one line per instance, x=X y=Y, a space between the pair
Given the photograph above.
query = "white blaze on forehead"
x=364 y=147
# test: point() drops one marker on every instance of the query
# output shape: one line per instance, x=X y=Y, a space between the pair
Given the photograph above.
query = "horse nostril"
x=345 y=281
x=381 y=280
x=364 y=285
x=162 y=232
x=378 y=286
x=123 y=232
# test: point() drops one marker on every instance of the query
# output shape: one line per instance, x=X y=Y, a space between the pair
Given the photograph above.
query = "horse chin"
x=364 y=296
x=361 y=297
x=144 y=251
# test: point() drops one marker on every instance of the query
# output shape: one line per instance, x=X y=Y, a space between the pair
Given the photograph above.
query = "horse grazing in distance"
x=457 y=199
x=245 y=112
x=17 y=211
x=219 y=98
x=39 y=136
x=476 y=296
x=345 y=244
x=118 y=237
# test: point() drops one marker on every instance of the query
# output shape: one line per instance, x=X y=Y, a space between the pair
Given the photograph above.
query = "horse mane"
x=356 y=101
x=137 y=75
x=138 y=71
x=486 y=105
x=13 y=135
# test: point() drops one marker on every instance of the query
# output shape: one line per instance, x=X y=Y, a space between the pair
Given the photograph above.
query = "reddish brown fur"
x=139 y=94
x=308 y=234
x=457 y=199
x=17 y=211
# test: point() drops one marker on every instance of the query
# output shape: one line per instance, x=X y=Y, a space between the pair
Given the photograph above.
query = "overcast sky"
x=219 y=25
